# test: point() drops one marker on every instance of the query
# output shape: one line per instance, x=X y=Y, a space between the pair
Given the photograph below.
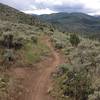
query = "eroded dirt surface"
x=37 y=81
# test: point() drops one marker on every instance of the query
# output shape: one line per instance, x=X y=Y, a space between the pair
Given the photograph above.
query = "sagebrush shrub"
x=8 y=55
x=59 y=45
x=7 y=41
x=34 y=39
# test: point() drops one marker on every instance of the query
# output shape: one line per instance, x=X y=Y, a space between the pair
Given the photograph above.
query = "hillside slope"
x=74 y=22
x=10 y=14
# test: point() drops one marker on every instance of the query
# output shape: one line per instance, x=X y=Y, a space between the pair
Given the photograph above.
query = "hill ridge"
x=74 y=22
x=11 y=14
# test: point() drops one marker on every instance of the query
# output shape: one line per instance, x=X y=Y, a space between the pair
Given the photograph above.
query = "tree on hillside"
x=74 y=40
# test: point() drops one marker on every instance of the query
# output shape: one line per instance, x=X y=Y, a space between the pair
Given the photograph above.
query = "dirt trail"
x=37 y=83
x=43 y=82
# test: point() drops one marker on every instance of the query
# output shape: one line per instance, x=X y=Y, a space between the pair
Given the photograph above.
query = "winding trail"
x=37 y=83
x=43 y=82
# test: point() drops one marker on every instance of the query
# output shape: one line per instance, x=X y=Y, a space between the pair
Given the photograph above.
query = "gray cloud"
x=60 y=6
x=72 y=8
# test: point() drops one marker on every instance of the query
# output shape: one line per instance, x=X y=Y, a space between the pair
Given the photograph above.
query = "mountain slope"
x=74 y=22
x=10 y=14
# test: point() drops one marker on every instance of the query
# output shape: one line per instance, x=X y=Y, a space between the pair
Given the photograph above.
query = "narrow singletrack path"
x=43 y=82
x=37 y=83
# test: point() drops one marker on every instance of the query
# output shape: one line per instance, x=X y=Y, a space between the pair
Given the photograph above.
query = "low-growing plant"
x=74 y=83
x=18 y=45
x=7 y=41
x=34 y=39
x=59 y=45
x=95 y=96
x=52 y=30
x=8 y=55
x=8 y=44
x=41 y=28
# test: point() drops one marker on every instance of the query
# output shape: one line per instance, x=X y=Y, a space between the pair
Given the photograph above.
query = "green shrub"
x=8 y=55
x=7 y=41
x=74 y=40
x=52 y=30
x=95 y=96
x=49 y=33
x=34 y=39
x=63 y=68
x=59 y=45
x=41 y=28
x=18 y=45
x=74 y=83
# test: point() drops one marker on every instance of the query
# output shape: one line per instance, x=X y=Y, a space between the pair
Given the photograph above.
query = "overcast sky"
x=91 y=7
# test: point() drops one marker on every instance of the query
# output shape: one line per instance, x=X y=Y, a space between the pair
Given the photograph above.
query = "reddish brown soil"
x=37 y=81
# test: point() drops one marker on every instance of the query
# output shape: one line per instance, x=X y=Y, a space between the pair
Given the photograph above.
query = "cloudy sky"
x=91 y=7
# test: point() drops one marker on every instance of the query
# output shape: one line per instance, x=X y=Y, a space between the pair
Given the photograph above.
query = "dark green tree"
x=74 y=40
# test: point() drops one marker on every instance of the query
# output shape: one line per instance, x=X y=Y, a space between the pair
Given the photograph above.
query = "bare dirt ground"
x=37 y=81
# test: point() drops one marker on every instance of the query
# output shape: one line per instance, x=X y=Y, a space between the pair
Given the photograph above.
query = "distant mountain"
x=10 y=14
x=74 y=22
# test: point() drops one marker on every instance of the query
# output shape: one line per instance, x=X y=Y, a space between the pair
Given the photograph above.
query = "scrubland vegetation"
x=78 y=78
x=22 y=44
